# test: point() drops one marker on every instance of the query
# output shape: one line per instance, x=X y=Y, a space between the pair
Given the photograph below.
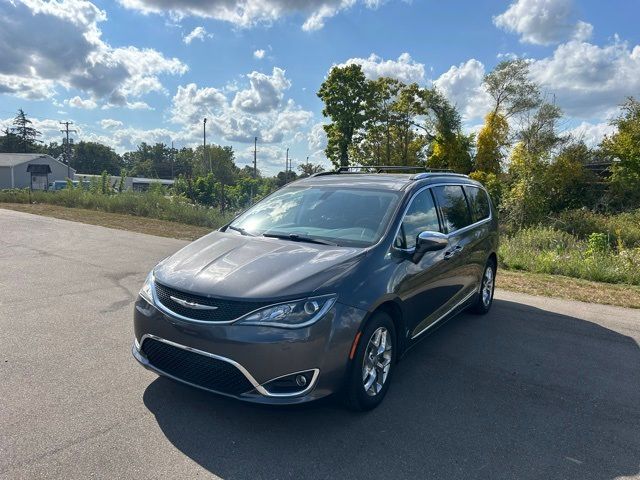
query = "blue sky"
x=150 y=70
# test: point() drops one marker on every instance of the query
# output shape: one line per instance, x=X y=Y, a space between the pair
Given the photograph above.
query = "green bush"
x=623 y=228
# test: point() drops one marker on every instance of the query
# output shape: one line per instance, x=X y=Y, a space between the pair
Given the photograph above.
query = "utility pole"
x=173 y=160
x=286 y=167
x=67 y=146
x=204 y=145
x=255 y=157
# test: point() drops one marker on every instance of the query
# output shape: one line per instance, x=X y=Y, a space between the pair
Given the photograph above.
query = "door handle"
x=453 y=252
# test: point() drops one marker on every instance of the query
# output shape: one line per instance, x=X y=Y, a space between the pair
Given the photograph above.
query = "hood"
x=235 y=266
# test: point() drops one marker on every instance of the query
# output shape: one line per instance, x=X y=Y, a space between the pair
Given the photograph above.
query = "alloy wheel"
x=487 y=286
x=377 y=361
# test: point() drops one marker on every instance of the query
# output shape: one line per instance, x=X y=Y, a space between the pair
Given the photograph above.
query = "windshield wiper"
x=299 y=238
x=241 y=230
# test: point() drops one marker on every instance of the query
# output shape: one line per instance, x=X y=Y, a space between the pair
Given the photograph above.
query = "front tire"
x=487 y=287
x=372 y=365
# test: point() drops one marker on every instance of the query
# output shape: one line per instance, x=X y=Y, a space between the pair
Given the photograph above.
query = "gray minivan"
x=321 y=287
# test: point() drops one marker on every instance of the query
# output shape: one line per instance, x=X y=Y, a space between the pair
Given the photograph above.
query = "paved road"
x=539 y=388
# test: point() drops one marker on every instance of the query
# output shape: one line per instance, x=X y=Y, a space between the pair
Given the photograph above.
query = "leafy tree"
x=308 y=169
x=345 y=93
x=513 y=94
x=512 y=91
x=493 y=136
x=526 y=201
x=27 y=135
x=539 y=135
x=9 y=142
x=568 y=183
x=624 y=148
x=93 y=158
x=54 y=149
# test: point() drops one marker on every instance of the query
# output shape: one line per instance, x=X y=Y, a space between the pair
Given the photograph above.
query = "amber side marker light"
x=353 y=347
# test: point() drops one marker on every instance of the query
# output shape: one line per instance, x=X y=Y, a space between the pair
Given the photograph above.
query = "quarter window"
x=454 y=208
x=421 y=216
x=479 y=203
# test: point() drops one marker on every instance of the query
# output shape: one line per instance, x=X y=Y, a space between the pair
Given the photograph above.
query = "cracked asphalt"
x=539 y=388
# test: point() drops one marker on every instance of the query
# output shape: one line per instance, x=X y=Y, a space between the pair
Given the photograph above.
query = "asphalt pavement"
x=539 y=388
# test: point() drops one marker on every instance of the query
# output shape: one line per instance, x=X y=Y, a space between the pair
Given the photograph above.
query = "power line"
x=67 y=147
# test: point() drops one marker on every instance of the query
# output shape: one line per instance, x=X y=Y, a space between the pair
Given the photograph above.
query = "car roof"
x=382 y=181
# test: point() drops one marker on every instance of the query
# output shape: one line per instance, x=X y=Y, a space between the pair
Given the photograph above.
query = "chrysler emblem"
x=195 y=306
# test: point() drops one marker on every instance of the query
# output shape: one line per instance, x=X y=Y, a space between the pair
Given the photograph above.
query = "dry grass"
x=524 y=282
x=151 y=226
x=570 y=288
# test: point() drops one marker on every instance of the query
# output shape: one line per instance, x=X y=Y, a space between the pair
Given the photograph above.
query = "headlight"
x=296 y=314
x=146 y=291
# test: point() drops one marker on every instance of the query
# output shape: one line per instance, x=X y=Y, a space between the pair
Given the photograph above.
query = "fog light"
x=301 y=380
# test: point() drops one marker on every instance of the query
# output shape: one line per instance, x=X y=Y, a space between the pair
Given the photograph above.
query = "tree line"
x=531 y=168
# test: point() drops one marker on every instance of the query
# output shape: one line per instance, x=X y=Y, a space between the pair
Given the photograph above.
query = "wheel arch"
x=392 y=308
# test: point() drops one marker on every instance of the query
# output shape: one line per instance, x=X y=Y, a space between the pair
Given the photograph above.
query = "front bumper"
x=261 y=354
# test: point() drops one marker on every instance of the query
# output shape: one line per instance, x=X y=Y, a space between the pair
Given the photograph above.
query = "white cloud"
x=60 y=44
x=257 y=111
x=592 y=133
x=589 y=81
x=542 y=22
x=265 y=92
x=404 y=69
x=78 y=102
x=191 y=104
x=259 y=54
x=248 y=13
x=317 y=138
x=109 y=123
x=199 y=33
x=462 y=85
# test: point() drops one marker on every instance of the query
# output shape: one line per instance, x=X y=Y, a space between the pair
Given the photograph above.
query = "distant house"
x=35 y=170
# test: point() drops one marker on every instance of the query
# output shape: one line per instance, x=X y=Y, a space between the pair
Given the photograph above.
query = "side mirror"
x=430 y=242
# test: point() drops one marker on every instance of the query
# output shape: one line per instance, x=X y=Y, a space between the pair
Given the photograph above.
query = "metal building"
x=35 y=170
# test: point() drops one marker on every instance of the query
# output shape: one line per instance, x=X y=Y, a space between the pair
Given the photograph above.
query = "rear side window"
x=478 y=202
x=454 y=208
x=421 y=216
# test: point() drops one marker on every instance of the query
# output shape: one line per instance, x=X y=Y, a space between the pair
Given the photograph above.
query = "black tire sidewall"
x=357 y=397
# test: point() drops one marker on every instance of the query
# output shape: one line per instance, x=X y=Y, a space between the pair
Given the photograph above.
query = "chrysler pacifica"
x=321 y=287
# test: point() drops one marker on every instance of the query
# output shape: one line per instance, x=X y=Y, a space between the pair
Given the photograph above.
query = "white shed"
x=22 y=170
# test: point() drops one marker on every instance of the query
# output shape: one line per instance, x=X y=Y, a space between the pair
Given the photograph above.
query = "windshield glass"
x=342 y=216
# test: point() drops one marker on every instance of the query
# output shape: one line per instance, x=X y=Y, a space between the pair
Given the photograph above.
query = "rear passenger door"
x=480 y=242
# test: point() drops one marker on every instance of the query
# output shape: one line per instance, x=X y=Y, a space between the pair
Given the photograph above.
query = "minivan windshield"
x=333 y=215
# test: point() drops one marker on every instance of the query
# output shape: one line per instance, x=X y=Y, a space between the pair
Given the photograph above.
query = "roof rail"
x=421 y=172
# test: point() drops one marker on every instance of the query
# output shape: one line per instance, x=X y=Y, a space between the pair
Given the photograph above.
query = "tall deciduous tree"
x=513 y=93
x=345 y=93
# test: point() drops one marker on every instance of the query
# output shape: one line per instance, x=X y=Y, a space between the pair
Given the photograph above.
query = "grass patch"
x=150 y=226
x=550 y=251
x=140 y=204
x=569 y=288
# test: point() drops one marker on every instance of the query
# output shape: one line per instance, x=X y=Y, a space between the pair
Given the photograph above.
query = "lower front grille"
x=201 y=370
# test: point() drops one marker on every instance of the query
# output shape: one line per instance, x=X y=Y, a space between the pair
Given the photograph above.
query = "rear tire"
x=372 y=365
x=484 y=299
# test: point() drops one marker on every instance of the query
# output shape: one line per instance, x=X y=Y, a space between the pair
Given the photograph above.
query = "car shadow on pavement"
x=519 y=393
